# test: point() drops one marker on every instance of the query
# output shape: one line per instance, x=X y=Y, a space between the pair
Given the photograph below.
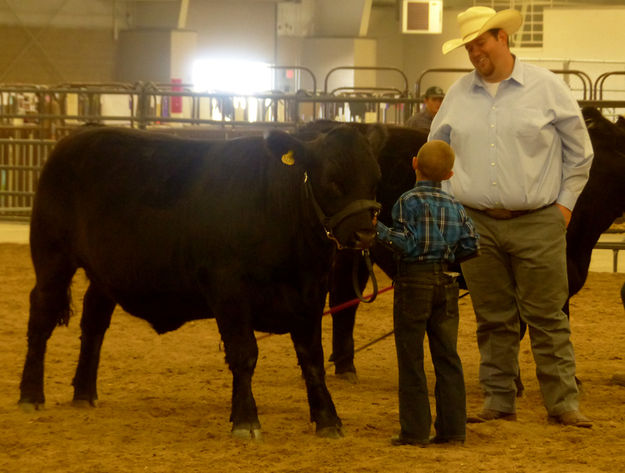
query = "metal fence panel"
x=33 y=118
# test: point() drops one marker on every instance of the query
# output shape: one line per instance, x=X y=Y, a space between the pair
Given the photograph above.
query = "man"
x=431 y=103
x=522 y=158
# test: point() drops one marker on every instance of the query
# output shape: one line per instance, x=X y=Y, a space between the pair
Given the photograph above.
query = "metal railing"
x=33 y=118
x=585 y=81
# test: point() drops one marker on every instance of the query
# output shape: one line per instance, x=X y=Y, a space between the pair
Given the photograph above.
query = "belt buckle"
x=499 y=214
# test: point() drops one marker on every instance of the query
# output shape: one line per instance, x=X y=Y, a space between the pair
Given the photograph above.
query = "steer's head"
x=342 y=174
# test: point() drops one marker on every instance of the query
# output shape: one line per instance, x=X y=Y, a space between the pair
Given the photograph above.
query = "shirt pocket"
x=528 y=123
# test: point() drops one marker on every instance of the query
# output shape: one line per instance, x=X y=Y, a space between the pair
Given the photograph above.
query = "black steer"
x=174 y=230
x=603 y=197
x=395 y=160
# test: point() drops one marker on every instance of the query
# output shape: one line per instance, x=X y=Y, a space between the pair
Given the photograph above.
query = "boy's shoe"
x=397 y=440
x=450 y=441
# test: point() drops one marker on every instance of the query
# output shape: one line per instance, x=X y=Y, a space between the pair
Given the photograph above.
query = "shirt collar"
x=517 y=75
x=428 y=184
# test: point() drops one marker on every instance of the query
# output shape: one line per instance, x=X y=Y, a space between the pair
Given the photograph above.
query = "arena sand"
x=165 y=400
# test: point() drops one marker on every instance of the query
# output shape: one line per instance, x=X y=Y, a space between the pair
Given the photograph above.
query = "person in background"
x=523 y=156
x=430 y=229
x=431 y=103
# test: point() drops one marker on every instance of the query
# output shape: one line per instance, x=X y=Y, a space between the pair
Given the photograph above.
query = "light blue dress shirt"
x=524 y=148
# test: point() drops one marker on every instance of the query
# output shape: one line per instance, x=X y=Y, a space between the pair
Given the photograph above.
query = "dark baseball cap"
x=434 y=91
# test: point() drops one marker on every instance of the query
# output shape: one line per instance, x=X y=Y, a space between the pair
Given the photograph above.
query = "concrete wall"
x=78 y=40
x=415 y=53
x=155 y=54
x=144 y=55
x=240 y=30
x=321 y=55
x=59 y=55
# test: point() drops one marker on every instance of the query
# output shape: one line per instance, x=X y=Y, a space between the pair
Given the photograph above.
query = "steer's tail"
x=50 y=299
x=50 y=247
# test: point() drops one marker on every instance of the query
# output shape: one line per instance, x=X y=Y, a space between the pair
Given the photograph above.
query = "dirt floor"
x=165 y=400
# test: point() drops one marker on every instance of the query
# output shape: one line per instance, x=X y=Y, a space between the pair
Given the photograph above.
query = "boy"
x=430 y=229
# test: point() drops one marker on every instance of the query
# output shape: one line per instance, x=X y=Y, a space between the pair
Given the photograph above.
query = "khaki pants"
x=521 y=275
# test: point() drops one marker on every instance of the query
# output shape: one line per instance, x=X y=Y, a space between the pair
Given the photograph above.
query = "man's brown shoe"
x=490 y=414
x=574 y=418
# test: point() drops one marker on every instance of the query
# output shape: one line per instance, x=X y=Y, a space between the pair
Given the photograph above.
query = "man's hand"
x=566 y=213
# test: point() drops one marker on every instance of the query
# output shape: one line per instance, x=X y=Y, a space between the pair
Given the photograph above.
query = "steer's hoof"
x=27 y=406
x=247 y=433
x=348 y=376
x=330 y=432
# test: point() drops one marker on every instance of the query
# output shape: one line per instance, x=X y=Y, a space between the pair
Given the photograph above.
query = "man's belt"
x=505 y=214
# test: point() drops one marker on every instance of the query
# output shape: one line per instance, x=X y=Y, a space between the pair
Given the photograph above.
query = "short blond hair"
x=435 y=160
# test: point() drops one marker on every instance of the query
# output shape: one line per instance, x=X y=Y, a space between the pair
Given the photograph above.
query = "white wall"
x=585 y=33
x=323 y=54
x=241 y=30
x=183 y=52
x=589 y=39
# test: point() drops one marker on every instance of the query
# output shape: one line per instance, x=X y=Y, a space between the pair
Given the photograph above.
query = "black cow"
x=603 y=197
x=395 y=160
x=174 y=230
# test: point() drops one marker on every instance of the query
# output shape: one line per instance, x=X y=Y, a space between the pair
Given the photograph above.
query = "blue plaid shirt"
x=429 y=225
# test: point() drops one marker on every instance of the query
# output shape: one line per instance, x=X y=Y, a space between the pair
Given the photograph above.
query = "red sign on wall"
x=176 y=101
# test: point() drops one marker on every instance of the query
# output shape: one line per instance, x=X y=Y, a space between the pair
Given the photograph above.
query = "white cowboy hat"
x=477 y=20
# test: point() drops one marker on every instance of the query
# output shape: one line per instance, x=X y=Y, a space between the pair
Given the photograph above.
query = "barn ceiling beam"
x=33 y=40
x=182 y=16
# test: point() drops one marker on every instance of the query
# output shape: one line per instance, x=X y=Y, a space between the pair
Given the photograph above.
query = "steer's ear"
x=288 y=149
x=377 y=136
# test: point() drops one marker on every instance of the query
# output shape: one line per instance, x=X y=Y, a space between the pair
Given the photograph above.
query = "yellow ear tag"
x=288 y=158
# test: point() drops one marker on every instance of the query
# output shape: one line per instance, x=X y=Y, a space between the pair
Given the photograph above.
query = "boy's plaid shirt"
x=429 y=225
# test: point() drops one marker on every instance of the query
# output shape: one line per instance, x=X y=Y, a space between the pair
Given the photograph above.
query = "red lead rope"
x=336 y=308
x=347 y=304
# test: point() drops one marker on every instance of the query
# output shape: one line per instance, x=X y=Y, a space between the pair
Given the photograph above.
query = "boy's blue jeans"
x=426 y=301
